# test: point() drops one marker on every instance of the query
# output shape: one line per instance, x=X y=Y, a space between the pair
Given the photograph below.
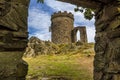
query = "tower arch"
x=83 y=34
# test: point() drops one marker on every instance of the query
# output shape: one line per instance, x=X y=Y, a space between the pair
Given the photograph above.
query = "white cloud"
x=40 y=21
x=60 y=6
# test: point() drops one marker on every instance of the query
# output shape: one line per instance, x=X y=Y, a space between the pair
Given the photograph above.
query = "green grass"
x=69 y=66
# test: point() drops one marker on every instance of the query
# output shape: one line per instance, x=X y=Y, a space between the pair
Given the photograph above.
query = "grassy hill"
x=69 y=63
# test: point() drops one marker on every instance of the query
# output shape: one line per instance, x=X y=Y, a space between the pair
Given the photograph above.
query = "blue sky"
x=40 y=15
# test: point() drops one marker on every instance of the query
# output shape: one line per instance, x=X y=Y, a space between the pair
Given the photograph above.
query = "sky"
x=39 y=19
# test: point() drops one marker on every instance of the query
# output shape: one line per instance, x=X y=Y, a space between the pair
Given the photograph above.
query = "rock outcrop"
x=13 y=39
x=38 y=47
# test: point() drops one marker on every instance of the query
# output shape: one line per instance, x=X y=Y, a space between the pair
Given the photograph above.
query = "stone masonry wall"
x=107 y=46
x=62 y=25
x=13 y=39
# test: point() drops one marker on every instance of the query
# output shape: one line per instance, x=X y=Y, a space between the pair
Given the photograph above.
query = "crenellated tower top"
x=62 y=14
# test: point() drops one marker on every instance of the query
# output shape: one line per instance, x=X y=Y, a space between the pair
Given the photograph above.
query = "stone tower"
x=61 y=27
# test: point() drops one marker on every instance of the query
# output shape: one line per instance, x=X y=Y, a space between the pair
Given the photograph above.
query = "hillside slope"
x=60 y=67
x=37 y=47
x=48 y=61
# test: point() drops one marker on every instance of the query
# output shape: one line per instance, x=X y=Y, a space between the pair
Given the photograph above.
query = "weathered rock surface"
x=13 y=25
x=13 y=39
x=107 y=45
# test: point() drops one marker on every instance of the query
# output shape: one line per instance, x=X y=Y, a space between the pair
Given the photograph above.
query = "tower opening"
x=78 y=35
